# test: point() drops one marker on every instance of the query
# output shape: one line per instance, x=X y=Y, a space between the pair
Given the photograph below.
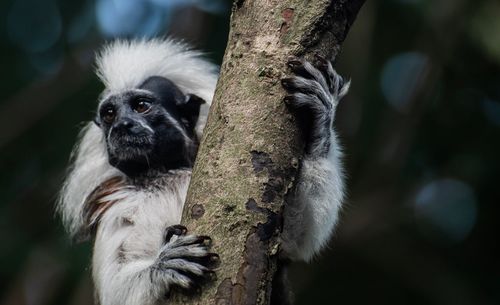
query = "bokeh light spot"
x=447 y=207
x=119 y=18
x=401 y=76
x=212 y=6
x=48 y=63
x=82 y=24
x=34 y=26
x=491 y=110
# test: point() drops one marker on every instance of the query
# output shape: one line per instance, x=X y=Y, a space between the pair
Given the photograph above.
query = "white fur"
x=90 y=168
x=124 y=65
x=129 y=239
x=129 y=235
x=312 y=213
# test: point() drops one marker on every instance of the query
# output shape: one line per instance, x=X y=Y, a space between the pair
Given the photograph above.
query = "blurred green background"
x=421 y=131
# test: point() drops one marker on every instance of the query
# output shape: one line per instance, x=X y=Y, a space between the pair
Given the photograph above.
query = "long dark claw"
x=178 y=230
x=287 y=83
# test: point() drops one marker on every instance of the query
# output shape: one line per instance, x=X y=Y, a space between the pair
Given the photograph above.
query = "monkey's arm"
x=312 y=211
x=129 y=269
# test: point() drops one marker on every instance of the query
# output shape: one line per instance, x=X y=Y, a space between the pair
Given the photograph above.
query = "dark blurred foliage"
x=421 y=131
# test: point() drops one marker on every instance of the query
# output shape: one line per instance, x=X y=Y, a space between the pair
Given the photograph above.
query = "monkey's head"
x=150 y=128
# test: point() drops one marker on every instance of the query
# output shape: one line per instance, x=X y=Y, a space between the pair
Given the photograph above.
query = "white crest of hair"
x=90 y=168
x=124 y=64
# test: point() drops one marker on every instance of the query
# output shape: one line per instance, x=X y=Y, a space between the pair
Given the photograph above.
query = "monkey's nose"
x=125 y=125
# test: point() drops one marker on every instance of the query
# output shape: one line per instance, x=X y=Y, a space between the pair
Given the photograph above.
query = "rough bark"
x=251 y=148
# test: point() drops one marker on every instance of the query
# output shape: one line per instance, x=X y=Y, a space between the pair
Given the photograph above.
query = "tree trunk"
x=251 y=148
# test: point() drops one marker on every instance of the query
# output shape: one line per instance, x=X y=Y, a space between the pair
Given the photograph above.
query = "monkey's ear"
x=190 y=110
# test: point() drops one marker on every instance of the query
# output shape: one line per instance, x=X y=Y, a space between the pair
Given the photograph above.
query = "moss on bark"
x=250 y=150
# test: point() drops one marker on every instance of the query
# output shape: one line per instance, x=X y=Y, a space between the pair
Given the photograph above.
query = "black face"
x=150 y=129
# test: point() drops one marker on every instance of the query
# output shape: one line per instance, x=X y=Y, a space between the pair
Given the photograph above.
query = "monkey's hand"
x=314 y=92
x=185 y=261
x=311 y=212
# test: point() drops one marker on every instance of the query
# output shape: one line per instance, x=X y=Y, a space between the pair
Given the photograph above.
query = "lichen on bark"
x=251 y=148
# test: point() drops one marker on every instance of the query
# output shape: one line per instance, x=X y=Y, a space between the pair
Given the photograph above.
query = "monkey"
x=132 y=165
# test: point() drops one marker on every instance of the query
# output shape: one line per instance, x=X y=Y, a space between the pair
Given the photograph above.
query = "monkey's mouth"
x=134 y=141
x=128 y=147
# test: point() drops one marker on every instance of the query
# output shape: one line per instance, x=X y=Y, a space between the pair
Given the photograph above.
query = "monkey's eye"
x=141 y=105
x=108 y=114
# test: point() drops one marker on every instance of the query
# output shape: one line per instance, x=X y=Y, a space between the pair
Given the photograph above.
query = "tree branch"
x=251 y=149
